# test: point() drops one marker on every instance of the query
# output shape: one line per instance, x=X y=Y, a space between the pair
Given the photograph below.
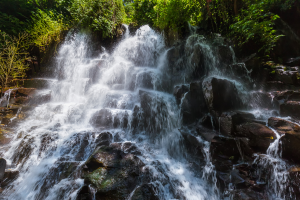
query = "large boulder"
x=291 y=139
x=221 y=94
x=154 y=112
x=226 y=151
x=180 y=91
x=193 y=105
x=144 y=192
x=290 y=108
x=102 y=118
x=2 y=168
x=115 y=174
x=260 y=136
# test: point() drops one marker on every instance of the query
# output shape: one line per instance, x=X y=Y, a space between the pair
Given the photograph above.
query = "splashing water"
x=58 y=135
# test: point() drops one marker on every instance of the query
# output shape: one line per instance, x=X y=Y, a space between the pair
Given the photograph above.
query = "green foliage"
x=173 y=13
x=144 y=12
x=46 y=29
x=256 y=23
x=12 y=57
x=99 y=15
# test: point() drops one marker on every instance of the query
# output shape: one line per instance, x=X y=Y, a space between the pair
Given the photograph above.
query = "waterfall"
x=127 y=87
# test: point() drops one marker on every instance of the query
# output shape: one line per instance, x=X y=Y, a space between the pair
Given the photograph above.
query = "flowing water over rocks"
x=109 y=127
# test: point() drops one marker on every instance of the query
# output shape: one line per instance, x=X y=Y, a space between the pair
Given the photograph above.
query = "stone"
x=105 y=138
x=227 y=121
x=260 y=136
x=35 y=83
x=113 y=173
x=180 y=91
x=154 y=112
x=293 y=61
x=2 y=168
x=40 y=97
x=144 y=192
x=221 y=95
x=260 y=99
x=9 y=177
x=290 y=140
x=226 y=151
x=290 y=108
x=193 y=104
x=286 y=77
x=102 y=118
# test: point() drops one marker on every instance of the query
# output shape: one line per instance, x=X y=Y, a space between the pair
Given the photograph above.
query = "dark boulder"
x=260 y=99
x=260 y=136
x=226 y=151
x=221 y=95
x=193 y=104
x=291 y=139
x=294 y=176
x=105 y=138
x=287 y=77
x=290 y=108
x=154 y=112
x=2 y=168
x=102 y=118
x=180 y=91
x=226 y=122
x=144 y=192
x=9 y=177
x=113 y=173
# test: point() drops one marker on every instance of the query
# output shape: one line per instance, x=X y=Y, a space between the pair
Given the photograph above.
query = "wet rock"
x=193 y=104
x=40 y=97
x=155 y=110
x=293 y=61
x=260 y=136
x=206 y=134
x=144 y=192
x=259 y=99
x=207 y=121
x=112 y=173
x=290 y=108
x=85 y=193
x=24 y=150
x=239 y=70
x=47 y=143
x=136 y=116
x=294 y=176
x=287 y=77
x=247 y=194
x=105 y=138
x=221 y=95
x=2 y=168
x=290 y=141
x=9 y=177
x=283 y=126
x=277 y=86
x=59 y=171
x=36 y=83
x=226 y=151
x=102 y=118
x=225 y=54
x=179 y=92
x=192 y=144
x=227 y=121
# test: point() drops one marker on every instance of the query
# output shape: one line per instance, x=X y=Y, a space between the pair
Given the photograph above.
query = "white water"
x=59 y=133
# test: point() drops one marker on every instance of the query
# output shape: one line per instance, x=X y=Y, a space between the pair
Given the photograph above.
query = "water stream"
x=60 y=132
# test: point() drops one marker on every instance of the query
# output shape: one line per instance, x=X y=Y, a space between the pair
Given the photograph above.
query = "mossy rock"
x=112 y=173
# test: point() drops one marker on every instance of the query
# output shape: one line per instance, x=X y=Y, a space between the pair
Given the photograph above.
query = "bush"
x=99 y=15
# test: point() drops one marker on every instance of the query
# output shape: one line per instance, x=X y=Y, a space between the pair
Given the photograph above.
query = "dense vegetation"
x=25 y=24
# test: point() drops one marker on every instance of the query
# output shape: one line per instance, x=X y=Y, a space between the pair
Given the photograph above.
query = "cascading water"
x=123 y=86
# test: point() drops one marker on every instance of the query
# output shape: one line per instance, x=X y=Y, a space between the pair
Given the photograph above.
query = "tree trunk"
x=235 y=7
